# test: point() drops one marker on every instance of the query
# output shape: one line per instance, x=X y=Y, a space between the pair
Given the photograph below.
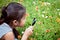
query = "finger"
x=30 y=31
x=31 y=27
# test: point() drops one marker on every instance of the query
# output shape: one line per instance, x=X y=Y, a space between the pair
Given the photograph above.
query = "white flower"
x=22 y=32
x=42 y=15
x=46 y=3
x=34 y=2
x=46 y=17
x=59 y=13
x=58 y=9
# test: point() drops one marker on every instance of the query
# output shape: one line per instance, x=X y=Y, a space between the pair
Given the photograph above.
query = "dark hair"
x=13 y=11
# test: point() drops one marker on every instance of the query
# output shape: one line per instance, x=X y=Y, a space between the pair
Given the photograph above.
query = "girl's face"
x=22 y=21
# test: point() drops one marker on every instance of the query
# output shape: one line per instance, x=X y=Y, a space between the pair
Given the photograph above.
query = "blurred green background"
x=47 y=13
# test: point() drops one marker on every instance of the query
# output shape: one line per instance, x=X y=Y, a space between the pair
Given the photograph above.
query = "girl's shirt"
x=4 y=29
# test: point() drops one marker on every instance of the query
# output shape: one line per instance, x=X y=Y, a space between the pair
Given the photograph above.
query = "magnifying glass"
x=34 y=21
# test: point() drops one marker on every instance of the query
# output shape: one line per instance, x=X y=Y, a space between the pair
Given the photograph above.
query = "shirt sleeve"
x=16 y=39
x=4 y=30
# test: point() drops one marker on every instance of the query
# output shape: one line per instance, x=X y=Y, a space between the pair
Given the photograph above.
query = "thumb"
x=31 y=27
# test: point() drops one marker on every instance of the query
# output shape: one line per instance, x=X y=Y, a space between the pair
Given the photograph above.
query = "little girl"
x=13 y=15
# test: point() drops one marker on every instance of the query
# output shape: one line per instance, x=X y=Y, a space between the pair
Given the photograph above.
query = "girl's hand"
x=27 y=33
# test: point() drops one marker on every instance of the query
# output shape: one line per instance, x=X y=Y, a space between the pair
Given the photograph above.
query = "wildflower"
x=39 y=22
x=34 y=2
x=42 y=15
x=19 y=36
x=58 y=20
x=22 y=32
x=58 y=9
x=50 y=16
x=59 y=13
x=36 y=8
x=47 y=31
x=45 y=3
x=46 y=17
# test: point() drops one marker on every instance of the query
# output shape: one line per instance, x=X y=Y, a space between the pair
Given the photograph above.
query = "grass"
x=47 y=13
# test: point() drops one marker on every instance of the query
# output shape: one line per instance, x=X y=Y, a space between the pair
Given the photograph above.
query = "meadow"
x=47 y=14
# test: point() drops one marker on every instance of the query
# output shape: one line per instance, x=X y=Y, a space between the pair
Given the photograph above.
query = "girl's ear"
x=15 y=22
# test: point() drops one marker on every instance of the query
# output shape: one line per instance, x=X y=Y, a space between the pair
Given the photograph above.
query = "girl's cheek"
x=22 y=23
